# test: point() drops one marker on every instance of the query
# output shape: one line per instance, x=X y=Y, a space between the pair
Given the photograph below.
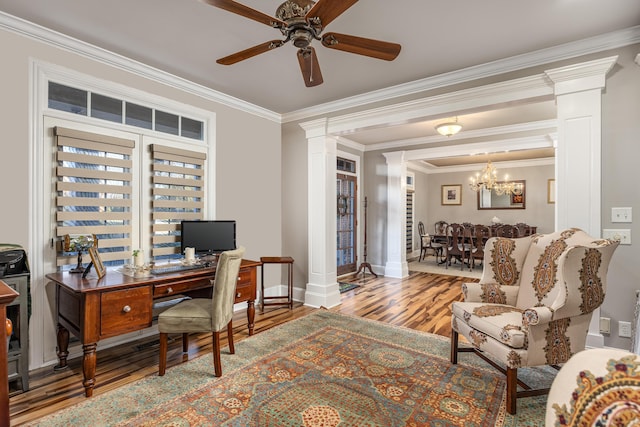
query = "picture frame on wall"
x=551 y=191
x=451 y=194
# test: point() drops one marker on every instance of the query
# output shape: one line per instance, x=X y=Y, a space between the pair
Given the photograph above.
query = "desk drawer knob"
x=169 y=290
x=126 y=309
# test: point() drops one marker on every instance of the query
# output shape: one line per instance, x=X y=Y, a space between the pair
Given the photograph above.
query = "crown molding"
x=536 y=86
x=570 y=50
x=53 y=38
x=503 y=145
x=429 y=169
x=550 y=125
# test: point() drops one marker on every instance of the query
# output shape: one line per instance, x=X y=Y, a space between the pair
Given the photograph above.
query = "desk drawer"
x=125 y=310
x=244 y=286
x=168 y=289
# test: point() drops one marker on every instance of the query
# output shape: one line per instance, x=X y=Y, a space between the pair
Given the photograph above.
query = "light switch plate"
x=621 y=215
x=623 y=235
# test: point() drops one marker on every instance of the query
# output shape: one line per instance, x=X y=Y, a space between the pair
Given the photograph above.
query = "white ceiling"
x=185 y=37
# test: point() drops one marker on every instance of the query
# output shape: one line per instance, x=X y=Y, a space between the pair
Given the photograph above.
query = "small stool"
x=289 y=297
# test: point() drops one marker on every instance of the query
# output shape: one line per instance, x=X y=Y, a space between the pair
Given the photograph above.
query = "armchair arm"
x=537 y=315
x=490 y=293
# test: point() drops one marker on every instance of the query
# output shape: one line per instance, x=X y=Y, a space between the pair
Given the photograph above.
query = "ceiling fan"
x=302 y=21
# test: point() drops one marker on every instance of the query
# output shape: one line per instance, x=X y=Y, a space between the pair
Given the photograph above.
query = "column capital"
x=395 y=157
x=582 y=76
x=315 y=128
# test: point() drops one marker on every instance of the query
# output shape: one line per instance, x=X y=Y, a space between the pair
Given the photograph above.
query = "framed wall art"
x=451 y=194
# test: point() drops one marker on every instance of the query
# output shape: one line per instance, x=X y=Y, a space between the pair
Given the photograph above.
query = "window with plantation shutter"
x=177 y=194
x=93 y=192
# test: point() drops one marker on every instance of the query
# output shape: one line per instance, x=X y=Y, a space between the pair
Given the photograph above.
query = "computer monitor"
x=208 y=237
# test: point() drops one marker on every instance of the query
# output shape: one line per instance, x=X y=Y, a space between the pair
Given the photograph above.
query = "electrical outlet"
x=624 y=329
x=621 y=215
x=620 y=234
x=605 y=325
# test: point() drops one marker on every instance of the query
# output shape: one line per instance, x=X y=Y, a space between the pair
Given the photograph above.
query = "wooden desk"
x=93 y=309
x=7 y=295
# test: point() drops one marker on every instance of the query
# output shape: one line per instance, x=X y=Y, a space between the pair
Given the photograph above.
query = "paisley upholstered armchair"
x=534 y=302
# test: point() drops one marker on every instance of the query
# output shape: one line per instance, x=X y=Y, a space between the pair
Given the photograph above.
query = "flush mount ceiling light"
x=449 y=128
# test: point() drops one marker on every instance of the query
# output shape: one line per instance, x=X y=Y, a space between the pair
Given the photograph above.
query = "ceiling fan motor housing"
x=293 y=9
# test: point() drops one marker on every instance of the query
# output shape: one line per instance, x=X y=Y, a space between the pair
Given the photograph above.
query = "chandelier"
x=487 y=179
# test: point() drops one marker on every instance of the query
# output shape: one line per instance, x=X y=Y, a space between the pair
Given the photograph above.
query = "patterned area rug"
x=324 y=369
x=345 y=286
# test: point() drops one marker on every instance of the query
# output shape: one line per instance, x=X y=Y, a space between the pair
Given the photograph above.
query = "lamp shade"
x=448 y=129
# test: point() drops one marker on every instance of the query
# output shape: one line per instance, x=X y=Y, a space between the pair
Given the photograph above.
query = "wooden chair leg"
x=232 y=349
x=512 y=389
x=454 y=347
x=217 y=364
x=185 y=342
x=163 y=354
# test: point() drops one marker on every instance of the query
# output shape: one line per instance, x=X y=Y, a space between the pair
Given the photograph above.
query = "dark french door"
x=346 y=223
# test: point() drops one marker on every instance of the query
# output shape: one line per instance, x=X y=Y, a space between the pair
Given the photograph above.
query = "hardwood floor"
x=421 y=301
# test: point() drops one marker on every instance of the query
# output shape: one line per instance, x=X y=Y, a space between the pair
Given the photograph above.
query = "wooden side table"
x=283 y=300
x=7 y=295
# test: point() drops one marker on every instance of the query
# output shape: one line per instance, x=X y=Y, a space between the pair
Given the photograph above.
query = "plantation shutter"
x=93 y=191
x=178 y=194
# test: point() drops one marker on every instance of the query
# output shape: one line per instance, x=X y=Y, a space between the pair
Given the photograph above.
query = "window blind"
x=178 y=194
x=93 y=191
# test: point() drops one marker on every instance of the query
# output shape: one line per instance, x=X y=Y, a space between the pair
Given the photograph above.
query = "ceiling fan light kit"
x=302 y=21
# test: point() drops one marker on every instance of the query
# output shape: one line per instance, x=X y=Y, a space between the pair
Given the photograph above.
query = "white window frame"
x=42 y=328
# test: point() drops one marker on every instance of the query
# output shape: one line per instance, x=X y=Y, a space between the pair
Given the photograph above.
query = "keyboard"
x=175 y=268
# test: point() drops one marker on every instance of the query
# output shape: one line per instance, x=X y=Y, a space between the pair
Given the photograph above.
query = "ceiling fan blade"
x=248 y=53
x=362 y=46
x=247 y=12
x=309 y=67
x=328 y=10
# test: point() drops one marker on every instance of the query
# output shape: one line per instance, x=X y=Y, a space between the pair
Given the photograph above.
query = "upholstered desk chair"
x=596 y=387
x=533 y=304
x=204 y=314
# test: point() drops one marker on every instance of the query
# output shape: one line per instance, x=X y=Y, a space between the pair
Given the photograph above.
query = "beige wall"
x=248 y=159
x=247 y=162
x=620 y=127
x=537 y=211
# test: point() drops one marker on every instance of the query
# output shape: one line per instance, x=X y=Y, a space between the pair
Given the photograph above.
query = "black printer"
x=13 y=260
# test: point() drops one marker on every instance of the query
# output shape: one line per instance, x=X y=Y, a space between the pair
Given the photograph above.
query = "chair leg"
x=232 y=349
x=217 y=364
x=512 y=388
x=163 y=354
x=185 y=342
x=454 y=347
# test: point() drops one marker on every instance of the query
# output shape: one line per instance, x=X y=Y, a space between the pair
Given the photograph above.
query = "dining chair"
x=481 y=235
x=205 y=314
x=456 y=247
x=427 y=242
